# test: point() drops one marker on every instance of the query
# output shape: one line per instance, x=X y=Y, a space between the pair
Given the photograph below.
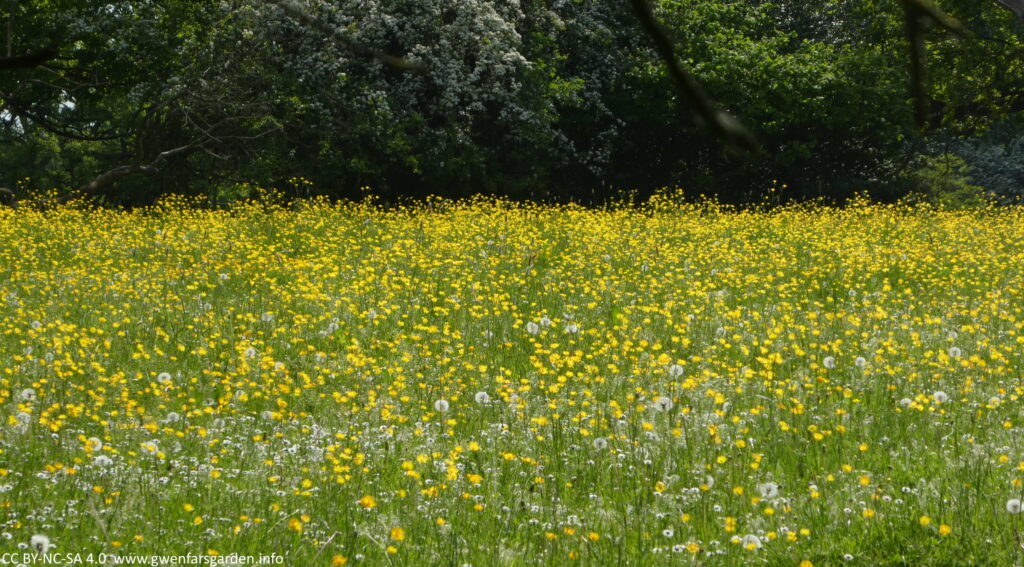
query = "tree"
x=135 y=87
x=556 y=100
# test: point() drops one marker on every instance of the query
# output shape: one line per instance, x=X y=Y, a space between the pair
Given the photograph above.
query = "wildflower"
x=164 y=378
x=572 y=328
x=250 y=352
x=600 y=443
x=860 y=362
x=482 y=398
x=1013 y=506
x=829 y=362
x=945 y=530
x=675 y=371
x=397 y=533
x=532 y=328
x=668 y=532
x=27 y=395
x=955 y=352
x=40 y=543
x=102 y=461
x=441 y=405
x=663 y=403
x=545 y=321
x=768 y=490
x=940 y=396
x=368 y=502
x=751 y=542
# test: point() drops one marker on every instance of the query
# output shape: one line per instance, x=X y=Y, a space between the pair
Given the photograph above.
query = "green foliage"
x=996 y=160
x=551 y=100
x=945 y=181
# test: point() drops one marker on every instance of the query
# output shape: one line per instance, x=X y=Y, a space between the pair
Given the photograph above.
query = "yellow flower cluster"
x=484 y=382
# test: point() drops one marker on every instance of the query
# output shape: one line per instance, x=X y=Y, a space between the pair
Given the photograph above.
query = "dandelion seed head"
x=768 y=490
x=663 y=403
x=40 y=543
x=751 y=542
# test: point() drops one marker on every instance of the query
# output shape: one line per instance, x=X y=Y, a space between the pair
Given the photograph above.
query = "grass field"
x=492 y=384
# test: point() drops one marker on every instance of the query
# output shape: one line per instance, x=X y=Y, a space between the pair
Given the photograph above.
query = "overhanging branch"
x=30 y=60
x=723 y=124
x=1015 y=6
x=111 y=176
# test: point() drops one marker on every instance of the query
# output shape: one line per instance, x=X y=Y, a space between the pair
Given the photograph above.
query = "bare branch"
x=112 y=175
x=928 y=9
x=294 y=11
x=30 y=60
x=719 y=121
x=67 y=131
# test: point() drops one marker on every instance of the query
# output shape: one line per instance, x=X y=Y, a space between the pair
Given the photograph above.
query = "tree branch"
x=1015 y=6
x=916 y=13
x=30 y=60
x=723 y=124
x=112 y=175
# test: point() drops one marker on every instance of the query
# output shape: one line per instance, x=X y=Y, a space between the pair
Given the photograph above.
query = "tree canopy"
x=550 y=99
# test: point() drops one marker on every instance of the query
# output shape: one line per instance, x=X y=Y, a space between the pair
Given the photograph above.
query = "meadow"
x=484 y=383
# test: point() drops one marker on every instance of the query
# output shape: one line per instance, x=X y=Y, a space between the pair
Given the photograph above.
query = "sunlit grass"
x=486 y=383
